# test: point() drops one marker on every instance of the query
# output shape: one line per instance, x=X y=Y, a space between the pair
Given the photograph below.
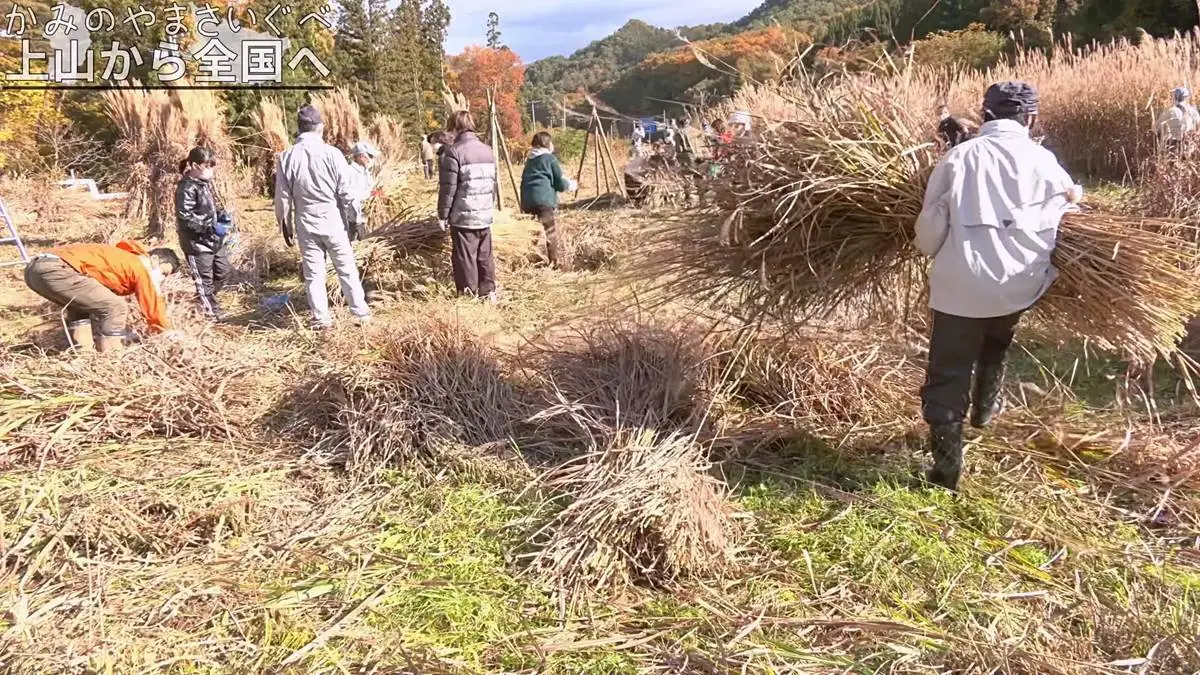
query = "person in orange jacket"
x=89 y=280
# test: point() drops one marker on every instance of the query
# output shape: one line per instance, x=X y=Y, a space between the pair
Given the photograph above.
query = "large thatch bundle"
x=816 y=213
x=272 y=139
x=642 y=508
x=158 y=130
x=340 y=115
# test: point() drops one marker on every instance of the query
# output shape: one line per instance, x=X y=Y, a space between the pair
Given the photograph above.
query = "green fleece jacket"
x=542 y=180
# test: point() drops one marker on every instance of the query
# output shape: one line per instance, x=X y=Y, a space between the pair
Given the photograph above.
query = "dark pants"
x=957 y=347
x=546 y=214
x=428 y=169
x=209 y=271
x=80 y=296
x=474 y=266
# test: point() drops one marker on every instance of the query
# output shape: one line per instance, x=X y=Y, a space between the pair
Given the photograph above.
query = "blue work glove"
x=224 y=224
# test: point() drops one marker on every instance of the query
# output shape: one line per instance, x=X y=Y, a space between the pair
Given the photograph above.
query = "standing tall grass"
x=1098 y=103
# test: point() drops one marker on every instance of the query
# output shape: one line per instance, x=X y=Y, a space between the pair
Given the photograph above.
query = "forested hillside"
x=598 y=64
x=640 y=63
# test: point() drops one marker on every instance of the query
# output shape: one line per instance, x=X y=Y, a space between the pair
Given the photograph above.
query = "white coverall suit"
x=313 y=193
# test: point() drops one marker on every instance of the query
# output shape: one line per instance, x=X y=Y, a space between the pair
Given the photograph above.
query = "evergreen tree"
x=493 y=30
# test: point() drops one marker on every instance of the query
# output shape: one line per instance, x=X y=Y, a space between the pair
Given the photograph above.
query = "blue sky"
x=540 y=28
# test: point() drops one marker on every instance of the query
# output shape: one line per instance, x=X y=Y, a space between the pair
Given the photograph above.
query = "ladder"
x=12 y=238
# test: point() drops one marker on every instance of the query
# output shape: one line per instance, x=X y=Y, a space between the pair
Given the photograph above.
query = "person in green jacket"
x=541 y=182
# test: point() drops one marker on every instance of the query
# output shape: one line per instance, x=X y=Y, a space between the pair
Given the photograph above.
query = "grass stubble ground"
x=188 y=507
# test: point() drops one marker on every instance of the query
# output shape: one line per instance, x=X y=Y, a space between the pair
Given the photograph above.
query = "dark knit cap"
x=308 y=117
x=1005 y=99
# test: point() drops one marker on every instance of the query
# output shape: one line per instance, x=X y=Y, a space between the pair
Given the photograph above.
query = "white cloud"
x=539 y=28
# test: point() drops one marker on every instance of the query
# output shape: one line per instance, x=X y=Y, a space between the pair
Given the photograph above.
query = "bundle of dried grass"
x=159 y=129
x=135 y=112
x=821 y=210
x=375 y=257
x=642 y=509
x=830 y=383
x=608 y=375
x=272 y=139
x=389 y=136
x=339 y=113
x=182 y=388
x=393 y=199
x=418 y=388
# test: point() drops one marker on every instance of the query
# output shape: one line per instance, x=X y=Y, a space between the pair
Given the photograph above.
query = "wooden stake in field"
x=500 y=152
x=602 y=158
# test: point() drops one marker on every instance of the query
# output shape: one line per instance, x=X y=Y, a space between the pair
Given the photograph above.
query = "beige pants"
x=81 y=297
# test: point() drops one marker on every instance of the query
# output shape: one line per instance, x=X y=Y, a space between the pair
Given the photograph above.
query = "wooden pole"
x=582 y=159
x=596 y=159
x=495 y=146
x=512 y=178
x=613 y=165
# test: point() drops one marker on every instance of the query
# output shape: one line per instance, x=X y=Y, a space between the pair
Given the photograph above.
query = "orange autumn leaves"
x=479 y=69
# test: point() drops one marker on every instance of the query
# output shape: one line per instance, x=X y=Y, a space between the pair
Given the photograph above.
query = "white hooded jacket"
x=990 y=222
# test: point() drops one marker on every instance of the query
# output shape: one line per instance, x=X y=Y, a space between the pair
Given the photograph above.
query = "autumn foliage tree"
x=479 y=69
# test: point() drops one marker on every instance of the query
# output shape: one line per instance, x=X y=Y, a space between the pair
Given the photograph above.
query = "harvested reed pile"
x=415 y=390
x=185 y=388
x=1098 y=103
x=158 y=130
x=598 y=240
x=401 y=257
x=339 y=113
x=609 y=375
x=271 y=139
x=135 y=112
x=642 y=508
x=828 y=383
x=391 y=139
x=822 y=207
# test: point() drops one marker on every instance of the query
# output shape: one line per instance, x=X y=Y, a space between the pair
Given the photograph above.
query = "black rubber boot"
x=946 y=445
x=988 y=401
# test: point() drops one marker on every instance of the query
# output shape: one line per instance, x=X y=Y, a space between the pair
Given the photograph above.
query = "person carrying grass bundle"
x=541 y=182
x=362 y=186
x=203 y=228
x=990 y=222
x=314 y=205
x=467 y=189
x=1178 y=122
x=88 y=281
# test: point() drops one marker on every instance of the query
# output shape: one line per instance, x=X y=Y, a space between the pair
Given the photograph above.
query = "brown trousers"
x=81 y=297
x=473 y=262
x=546 y=214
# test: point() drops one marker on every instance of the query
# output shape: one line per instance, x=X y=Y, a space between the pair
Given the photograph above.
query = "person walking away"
x=203 y=228
x=428 y=155
x=541 y=182
x=989 y=221
x=313 y=205
x=467 y=188
x=639 y=137
x=89 y=282
x=951 y=130
x=1177 y=123
x=362 y=185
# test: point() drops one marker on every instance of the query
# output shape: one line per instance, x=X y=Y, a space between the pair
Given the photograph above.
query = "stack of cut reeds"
x=817 y=210
x=272 y=139
x=340 y=115
x=158 y=130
